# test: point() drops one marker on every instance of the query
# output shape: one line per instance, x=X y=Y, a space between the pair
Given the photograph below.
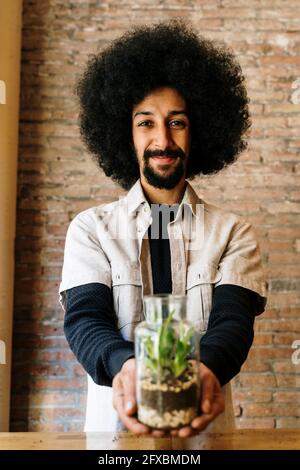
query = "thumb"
x=207 y=388
x=130 y=406
x=129 y=390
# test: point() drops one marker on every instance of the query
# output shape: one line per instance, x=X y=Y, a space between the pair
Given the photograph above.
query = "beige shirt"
x=109 y=244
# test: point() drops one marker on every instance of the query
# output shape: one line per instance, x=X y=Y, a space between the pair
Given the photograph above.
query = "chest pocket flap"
x=127 y=297
x=202 y=274
x=200 y=283
x=126 y=275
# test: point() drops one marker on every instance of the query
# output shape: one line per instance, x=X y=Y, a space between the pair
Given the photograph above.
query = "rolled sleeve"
x=84 y=259
x=241 y=262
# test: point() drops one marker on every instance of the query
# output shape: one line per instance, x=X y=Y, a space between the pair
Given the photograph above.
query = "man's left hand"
x=212 y=404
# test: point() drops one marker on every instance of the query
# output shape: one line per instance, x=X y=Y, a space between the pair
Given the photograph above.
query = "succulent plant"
x=168 y=352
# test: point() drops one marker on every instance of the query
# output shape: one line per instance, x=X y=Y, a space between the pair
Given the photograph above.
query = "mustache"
x=164 y=153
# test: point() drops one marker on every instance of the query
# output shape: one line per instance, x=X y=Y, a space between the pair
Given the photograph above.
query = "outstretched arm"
x=90 y=326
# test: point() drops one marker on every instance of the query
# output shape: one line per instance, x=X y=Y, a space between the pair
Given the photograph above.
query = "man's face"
x=161 y=137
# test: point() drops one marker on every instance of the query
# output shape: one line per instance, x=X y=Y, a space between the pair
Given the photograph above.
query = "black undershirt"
x=90 y=323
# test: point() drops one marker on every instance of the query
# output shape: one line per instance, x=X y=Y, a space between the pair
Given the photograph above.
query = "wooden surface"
x=269 y=439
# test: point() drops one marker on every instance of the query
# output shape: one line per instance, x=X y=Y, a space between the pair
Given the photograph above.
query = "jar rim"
x=165 y=296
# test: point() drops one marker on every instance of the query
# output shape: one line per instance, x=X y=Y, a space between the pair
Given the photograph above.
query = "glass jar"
x=167 y=358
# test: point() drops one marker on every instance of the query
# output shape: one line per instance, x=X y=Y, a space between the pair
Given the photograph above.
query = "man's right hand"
x=124 y=399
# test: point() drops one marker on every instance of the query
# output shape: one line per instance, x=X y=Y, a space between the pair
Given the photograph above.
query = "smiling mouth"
x=164 y=159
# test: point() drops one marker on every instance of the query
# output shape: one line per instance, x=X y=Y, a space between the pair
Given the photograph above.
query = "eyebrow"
x=171 y=113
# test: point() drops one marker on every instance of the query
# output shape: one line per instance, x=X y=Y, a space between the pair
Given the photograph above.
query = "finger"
x=174 y=433
x=207 y=394
x=128 y=381
x=218 y=404
x=158 y=433
x=131 y=423
x=130 y=406
x=187 y=431
x=118 y=393
x=201 y=422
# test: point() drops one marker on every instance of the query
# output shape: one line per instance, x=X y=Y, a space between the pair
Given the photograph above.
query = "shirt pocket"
x=127 y=297
x=199 y=286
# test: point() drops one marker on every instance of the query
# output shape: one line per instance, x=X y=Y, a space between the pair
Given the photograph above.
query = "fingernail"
x=206 y=406
x=129 y=406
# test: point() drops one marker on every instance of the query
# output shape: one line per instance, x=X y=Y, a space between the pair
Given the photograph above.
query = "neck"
x=164 y=196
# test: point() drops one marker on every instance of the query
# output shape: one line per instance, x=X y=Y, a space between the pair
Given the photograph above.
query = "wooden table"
x=244 y=439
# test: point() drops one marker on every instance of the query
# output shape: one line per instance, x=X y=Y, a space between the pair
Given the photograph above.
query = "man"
x=158 y=106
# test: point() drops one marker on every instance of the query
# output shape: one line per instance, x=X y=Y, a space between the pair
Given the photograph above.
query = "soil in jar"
x=170 y=403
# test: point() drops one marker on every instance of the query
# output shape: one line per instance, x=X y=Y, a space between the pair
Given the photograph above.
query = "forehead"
x=161 y=100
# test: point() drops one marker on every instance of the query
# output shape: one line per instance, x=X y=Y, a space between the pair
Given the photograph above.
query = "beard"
x=169 y=180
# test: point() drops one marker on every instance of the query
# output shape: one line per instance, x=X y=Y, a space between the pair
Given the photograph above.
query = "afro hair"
x=146 y=58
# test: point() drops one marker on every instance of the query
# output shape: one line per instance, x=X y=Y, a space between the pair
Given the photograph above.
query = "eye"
x=147 y=123
x=178 y=124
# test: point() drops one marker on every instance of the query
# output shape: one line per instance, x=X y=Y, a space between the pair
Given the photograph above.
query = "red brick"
x=42 y=329
x=285 y=338
x=269 y=313
x=59 y=384
x=271 y=409
x=281 y=325
x=290 y=312
x=282 y=299
x=288 y=380
x=284 y=232
x=47 y=370
x=255 y=423
x=256 y=365
x=287 y=206
x=78 y=370
x=61 y=356
x=288 y=271
x=40 y=399
x=56 y=230
x=280 y=156
x=285 y=366
x=270 y=352
x=295 y=142
x=284 y=133
x=295 y=195
x=293 y=397
x=262 y=339
x=264 y=380
x=293 y=422
x=257 y=396
x=288 y=108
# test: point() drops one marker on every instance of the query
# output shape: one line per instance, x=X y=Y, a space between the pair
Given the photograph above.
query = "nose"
x=163 y=138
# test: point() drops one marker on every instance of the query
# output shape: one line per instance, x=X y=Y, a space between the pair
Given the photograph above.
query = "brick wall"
x=57 y=179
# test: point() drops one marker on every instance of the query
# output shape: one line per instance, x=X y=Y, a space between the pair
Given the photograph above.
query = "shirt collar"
x=190 y=199
x=136 y=197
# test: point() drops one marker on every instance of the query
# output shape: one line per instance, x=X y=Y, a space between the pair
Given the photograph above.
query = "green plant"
x=169 y=351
